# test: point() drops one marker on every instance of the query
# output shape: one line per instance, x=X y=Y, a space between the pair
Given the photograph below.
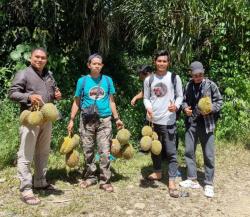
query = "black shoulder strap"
x=108 y=82
x=83 y=85
x=174 y=81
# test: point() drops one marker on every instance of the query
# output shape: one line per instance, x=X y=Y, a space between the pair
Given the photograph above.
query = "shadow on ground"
x=146 y=171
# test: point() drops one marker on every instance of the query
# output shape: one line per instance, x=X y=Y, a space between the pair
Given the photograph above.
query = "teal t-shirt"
x=90 y=91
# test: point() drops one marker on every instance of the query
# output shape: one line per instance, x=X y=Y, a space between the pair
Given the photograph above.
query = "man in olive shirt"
x=34 y=85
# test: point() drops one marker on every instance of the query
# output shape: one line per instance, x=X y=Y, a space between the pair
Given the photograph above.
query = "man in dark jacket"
x=34 y=85
x=200 y=125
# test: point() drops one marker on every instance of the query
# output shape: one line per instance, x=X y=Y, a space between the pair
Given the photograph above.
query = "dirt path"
x=136 y=197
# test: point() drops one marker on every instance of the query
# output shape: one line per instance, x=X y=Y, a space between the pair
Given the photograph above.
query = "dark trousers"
x=192 y=135
x=167 y=136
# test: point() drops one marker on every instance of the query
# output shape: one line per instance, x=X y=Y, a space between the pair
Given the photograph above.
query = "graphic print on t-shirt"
x=160 y=89
x=93 y=92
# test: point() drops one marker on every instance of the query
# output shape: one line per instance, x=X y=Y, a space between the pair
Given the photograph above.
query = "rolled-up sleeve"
x=146 y=93
x=179 y=92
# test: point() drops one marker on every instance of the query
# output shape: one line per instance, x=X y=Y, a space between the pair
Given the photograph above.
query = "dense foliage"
x=126 y=33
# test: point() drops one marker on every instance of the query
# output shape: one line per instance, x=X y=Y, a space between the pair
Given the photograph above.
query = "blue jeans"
x=167 y=136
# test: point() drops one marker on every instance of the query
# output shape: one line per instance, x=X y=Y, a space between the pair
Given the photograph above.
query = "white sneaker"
x=209 y=191
x=189 y=184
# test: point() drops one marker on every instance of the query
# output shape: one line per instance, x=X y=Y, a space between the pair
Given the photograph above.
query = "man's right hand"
x=150 y=114
x=70 y=126
x=188 y=111
x=35 y=99
x=133 y=101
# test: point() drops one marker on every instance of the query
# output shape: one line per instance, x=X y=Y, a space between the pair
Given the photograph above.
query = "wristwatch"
x=116 y=119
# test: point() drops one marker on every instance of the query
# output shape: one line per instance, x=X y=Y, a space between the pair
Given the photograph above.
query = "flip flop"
x=152 y=178
x=85 y=184
x=173 y=193
x=30 y=199
x=107 y=187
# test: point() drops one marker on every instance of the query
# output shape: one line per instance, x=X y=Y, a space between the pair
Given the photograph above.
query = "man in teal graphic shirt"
x=90 y=91
x=94 y=92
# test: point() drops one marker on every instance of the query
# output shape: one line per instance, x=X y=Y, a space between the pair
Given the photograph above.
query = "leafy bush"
x=9 y=135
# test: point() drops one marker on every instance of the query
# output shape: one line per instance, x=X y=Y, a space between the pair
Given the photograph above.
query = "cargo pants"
x=99 y=132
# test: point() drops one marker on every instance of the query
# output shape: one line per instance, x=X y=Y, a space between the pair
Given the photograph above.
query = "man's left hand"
x=172 y=107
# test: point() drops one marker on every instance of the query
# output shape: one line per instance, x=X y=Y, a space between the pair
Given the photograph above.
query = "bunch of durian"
x=149 y=140
x=205 y=105
x=68 y=148
x=38 y=116
x=120 y=147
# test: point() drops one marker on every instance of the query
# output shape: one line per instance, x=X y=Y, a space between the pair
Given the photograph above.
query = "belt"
x=171 y=126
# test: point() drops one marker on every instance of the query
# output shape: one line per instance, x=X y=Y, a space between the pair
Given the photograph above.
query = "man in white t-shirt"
x=161 y=105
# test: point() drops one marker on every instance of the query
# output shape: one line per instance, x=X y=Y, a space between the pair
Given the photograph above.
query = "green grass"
x=73 y=201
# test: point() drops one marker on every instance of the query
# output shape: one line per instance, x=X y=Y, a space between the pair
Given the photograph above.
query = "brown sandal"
x=173 y=192
x=154 y=177
x=30 y=199
x=85 y=184
x=107 y=187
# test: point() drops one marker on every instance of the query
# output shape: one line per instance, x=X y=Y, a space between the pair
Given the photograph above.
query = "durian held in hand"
x=68 y=146
x=205 y=105
x=72 y=159
x=123 y=136
x=120 y=146
x=38 y=116
x=149 y=140
x=69 y=143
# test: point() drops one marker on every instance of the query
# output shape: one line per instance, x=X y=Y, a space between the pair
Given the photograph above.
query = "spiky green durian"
x=127 y=151
x=24 y=117
x=145 y=143
x=67 y=142
x=35 y=118
x=205 y=105
x=116 y=148
x=156 y=147
x=147 y=131
x=76 y=140
x=154 y=136
x=50 y=112
x=72 y=158
x=123 y=136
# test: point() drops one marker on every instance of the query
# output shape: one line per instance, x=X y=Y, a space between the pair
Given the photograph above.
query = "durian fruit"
x=147 y=131
x=205 y=105
x=35 y=118
x=127 y=151
x=24 y=117
x=66 y=142
x=72 y=158
x=156 y=147
x=50 y=112
x=69 y=144
x=145 y=143
x=155 y=136
x=123 y=136
x=116 y=148
x=76 y=140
